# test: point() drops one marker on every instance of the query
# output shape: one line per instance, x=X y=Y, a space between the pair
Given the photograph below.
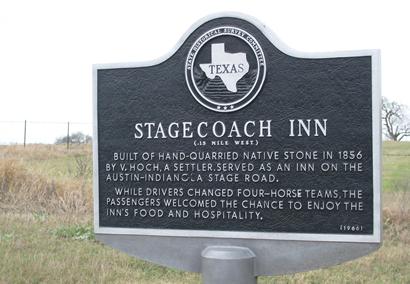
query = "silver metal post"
x=227 y=264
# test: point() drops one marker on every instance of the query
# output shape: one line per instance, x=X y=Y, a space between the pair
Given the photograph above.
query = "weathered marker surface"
x=237 y=140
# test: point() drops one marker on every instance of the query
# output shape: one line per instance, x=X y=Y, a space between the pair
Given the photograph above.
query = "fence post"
x=68 y=135
x=25 y=132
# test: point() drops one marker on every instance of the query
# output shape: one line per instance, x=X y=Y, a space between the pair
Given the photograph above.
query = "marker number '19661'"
x=352 y=228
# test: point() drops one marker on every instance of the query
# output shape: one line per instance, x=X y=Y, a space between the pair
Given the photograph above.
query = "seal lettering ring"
x=225 y=69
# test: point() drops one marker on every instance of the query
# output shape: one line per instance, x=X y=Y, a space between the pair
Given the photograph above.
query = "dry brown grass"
x=396 y=216
x=24 y=187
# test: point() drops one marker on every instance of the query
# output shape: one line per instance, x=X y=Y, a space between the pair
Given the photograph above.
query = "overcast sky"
x=47 y=48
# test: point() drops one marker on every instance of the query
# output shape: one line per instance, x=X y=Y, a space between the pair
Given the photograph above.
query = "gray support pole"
x=25 y=132
x=68 y=135
x=227 y=264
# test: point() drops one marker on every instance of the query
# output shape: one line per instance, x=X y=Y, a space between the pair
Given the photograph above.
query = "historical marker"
x=235 y=140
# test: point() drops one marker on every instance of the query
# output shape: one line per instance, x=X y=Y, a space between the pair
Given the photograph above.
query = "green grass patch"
x=75 y=232
x=31 y=254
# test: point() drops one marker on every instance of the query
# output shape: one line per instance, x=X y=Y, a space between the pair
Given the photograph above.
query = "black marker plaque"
x=232 y=137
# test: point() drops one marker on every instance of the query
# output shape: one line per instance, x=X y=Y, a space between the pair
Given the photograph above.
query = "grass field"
x=396 y=166
x=46 y=226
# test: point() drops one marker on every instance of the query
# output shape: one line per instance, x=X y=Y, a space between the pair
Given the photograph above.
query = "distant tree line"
x=75 y=138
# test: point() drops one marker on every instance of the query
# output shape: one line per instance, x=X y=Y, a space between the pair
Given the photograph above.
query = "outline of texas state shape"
x=230 y=67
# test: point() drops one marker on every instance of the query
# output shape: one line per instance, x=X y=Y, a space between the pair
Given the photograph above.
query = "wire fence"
x=41 y=132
